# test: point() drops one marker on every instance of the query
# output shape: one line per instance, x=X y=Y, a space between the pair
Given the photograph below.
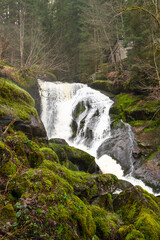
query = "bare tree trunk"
x=21 y=35
x=155 y=62
x=0 y=51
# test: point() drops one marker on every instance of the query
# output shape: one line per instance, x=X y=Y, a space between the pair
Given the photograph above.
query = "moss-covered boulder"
x=7 y=218
x=113 y=83
x=130 y=107
x=103 y=85
x=38 y=181
x=142 y=210
x=15 y=101
x=27 y=151
x=49 y=154
x=17 y=107
x=107 y=224
x=84 y=161
x=65 y=217
x=85 y=185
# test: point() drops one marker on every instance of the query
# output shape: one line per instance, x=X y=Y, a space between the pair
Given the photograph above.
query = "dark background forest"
x=74 y=37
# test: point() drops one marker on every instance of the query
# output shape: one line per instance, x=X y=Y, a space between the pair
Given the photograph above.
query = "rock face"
x=121 y=146
x=149 y=172
x=32 y=128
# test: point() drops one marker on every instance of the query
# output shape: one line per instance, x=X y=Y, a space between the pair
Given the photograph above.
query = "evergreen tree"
x=68 y=25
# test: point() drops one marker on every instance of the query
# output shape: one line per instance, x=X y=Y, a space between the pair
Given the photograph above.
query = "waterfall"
x=56 y=107
x=80 y=115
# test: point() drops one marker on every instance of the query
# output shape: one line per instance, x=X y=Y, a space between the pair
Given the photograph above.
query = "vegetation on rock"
x=14 y=101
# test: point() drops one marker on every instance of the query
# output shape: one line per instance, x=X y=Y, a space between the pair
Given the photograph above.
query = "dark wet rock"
x=122 y=185
x=108 y=86
x=32 y=128
x=34 y=92
x=49 y=77
x=121 y=146
x=149 y=172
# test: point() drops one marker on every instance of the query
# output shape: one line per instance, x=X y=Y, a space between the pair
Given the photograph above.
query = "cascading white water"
x=61 y=102
x=57 y=101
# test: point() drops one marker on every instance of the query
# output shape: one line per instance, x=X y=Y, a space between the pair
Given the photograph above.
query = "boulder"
x=123 y=185
x=140 y=211
x=58 y=141
x=149 y=172
x=17 y=104
x=84 y=161
x=121 y=146
x=32 y=128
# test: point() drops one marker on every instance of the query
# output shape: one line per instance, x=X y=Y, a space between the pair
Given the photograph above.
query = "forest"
x=76 y=37
x=99 y=62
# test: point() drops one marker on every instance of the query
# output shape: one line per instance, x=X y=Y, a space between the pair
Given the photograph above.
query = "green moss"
x=7 y=214
x=8 y=169
x=130 y=233
x=106 y=86
x=83 y=160
x=141 y=209
x=35 y=156
x=5 y=154
x=148 y=224
x=100 y=76
x=49 y=154
x=85 y=185
x=124 y=230
x=68 y=164
x=134 y=234
x=40 y=180
x=26 y=150
x=65 y=217
x=15 y=101
x=107 y=224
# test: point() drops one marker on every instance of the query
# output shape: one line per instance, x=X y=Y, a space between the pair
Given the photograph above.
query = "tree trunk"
x=21 y=35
